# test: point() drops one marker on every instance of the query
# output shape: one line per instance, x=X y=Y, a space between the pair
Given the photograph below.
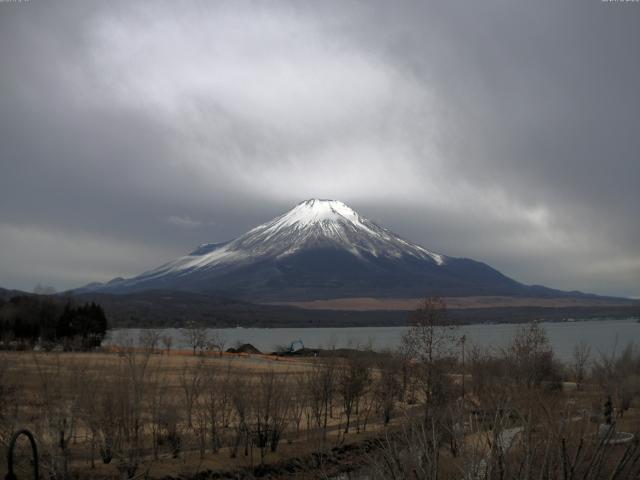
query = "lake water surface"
x=604 y=336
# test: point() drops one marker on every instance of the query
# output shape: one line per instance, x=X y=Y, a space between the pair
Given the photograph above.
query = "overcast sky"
x=504 y=131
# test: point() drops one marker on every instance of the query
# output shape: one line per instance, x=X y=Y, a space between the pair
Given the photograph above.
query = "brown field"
x=60 y=394
x=154 y=414
x=407 y=304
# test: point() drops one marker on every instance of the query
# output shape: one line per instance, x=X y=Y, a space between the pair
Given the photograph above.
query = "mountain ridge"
x=323 y=249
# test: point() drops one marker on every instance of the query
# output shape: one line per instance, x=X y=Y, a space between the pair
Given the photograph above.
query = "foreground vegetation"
x=436 y=408
x=48 y=322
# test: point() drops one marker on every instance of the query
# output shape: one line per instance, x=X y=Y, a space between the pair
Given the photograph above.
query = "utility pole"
x=463 y=340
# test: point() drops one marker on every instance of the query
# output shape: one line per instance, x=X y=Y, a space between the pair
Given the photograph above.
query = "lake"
x=604 y=336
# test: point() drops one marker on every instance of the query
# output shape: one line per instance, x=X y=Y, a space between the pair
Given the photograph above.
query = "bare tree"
x=201 y=423
x=487 y=374
x=107 y=422
x=618 y=376
x=430 y=342
x=242 y=407
x=89 y=410
x=299 y=401
x=407 y=387
x=157 y=405
x=171 y=427
x=321 y=384
x=412 y=453
x=364 y=407
x=167 y=342
x=190 y=380
x=531 y=357
x=431 y=336
x=58 y=401
x=219 y=399
x=580 y=360
x=195 y=336
x=270 y=410
x=352 y=381
x=149 y=340
x=553 y=442
x=217 y=342
x=387 y=385
x=127 y=411
x=10 y=391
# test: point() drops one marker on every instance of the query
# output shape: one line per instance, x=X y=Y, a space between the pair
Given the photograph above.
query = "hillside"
x=322 y=249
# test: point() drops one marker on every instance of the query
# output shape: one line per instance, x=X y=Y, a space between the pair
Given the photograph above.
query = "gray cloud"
x=502 y=131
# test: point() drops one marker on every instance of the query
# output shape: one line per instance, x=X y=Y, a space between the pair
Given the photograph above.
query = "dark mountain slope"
x=323 y=249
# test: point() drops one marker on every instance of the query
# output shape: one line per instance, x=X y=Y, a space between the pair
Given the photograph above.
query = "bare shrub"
x=619 y=376
x=531 y=359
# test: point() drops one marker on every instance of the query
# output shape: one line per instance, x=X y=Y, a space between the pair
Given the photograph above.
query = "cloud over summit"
x=503 y=132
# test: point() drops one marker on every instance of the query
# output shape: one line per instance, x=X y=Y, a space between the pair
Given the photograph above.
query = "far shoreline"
x=292 y=317
x=407 y=325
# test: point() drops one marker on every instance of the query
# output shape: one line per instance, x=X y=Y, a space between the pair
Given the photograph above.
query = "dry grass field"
x=409 y=304
x=147 y=413
x=179 y=413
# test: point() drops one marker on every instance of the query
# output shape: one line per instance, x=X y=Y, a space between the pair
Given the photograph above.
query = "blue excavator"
x=296 y=343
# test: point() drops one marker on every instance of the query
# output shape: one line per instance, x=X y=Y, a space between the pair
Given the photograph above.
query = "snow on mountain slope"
x=312 y=223
x=327 y=221
x=321 y=249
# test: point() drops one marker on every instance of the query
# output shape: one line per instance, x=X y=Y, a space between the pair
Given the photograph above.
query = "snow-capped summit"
x=311 y=224
x=319 y=249
x=317 y=210
x=327 y=223
x=331 y=220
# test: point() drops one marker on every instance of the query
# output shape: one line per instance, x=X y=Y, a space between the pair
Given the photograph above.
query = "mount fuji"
x=322 y=249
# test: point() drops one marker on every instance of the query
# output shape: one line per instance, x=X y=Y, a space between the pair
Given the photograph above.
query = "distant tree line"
x=30 y=320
